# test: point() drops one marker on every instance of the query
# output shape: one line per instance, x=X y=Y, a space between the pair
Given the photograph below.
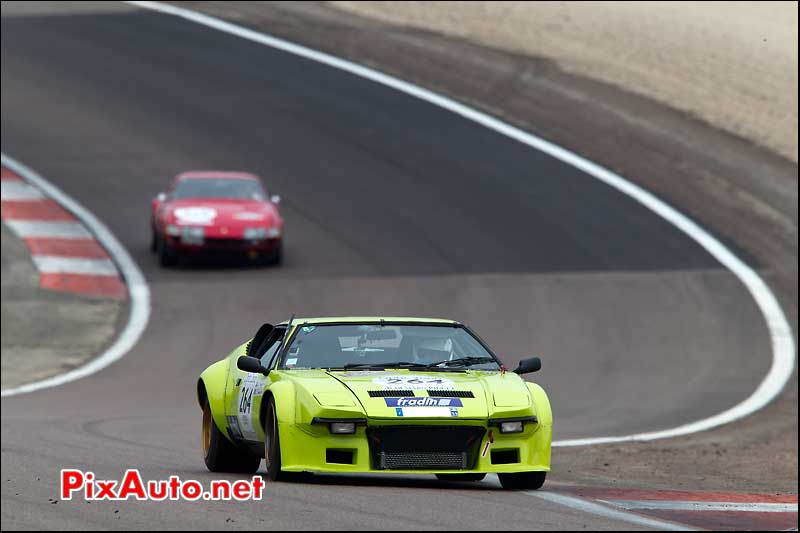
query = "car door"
x=244 y=408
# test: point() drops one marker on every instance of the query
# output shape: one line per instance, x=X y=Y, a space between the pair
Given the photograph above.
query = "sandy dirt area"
x=733 y=64
x=46 y=333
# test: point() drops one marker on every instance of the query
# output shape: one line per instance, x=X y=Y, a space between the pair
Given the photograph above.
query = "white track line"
x=18 y=190
x=51 y=264
x=137 y=286
x=597 y=509
x=783 y=347
x=49 y=230
x=662 y=505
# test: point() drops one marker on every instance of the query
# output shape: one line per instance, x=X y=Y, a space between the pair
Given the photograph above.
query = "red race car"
x=216 y=213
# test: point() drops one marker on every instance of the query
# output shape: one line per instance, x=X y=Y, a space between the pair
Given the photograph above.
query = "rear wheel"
x=460 y=477
x=522 y=480
x=220 y=454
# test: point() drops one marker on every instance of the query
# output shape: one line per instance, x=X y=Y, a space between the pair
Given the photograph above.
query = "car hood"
x=422 y=395
x=233 y=215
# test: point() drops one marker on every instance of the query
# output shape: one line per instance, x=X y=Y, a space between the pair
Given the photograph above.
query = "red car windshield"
x=235 y=189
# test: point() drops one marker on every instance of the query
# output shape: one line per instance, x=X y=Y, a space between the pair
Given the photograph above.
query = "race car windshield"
x=234 y=189
x=367 y=347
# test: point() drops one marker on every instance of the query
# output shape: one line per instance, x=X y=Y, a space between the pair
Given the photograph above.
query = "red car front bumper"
x=226 y=246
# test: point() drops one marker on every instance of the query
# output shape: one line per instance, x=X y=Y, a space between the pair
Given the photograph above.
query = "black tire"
x=522 y=480
x=272 y=443
x=153 y=240
x=220 y=454
x=277 y=256
x=460 y=477
x=167 y=257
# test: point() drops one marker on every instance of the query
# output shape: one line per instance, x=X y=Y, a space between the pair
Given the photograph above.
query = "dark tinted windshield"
x=236 y=189
x=354 y=345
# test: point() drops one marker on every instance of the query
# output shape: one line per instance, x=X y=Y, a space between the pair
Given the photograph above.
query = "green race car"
x=384 y=395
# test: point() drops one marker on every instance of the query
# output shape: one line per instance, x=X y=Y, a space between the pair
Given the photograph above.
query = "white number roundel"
x=413 y=382
x=196 y=215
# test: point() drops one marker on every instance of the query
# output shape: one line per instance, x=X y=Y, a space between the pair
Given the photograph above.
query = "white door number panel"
x=249 y=392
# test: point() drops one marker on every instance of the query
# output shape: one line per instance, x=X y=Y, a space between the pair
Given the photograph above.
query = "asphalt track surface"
x=392 y=207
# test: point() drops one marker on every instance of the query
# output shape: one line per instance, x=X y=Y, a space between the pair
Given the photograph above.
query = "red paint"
x=677 y=495
x=83 y=248
x=8 y=175
x=224 y=225
x=714 y=520
x=110 y=286
x=45 y=210
x=728 y=520
x=48 y=210
x=227 y=225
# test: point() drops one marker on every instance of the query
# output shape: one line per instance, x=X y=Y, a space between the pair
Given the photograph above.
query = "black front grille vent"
x=390 y=393
x=424 y=447
x=451 y=393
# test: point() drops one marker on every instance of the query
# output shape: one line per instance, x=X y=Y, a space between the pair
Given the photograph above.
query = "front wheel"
x=276 y=258
x=220 y=454
x=153 y=240
x=522 y=480
x=272 y=443
x=167 y=257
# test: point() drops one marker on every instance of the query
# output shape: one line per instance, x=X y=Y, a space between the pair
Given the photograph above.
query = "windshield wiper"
x=397 y=364
x=464 y=361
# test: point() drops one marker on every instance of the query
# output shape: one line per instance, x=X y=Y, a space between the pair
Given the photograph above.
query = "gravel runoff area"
x=733 y=64
x=46 y=333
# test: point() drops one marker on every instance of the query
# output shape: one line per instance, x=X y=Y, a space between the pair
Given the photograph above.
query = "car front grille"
x=424 y=447
x=422 y=461
x=226 y=244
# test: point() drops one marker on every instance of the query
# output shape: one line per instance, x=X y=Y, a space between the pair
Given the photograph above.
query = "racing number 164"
x=244 y=403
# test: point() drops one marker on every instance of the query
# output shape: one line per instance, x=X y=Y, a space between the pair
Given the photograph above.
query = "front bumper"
x=225 y=246
x=424 y=447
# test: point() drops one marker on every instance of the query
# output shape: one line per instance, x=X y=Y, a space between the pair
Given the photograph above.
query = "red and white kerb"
x=63 y=250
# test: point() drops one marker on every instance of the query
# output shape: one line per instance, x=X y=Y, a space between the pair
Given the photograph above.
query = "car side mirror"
x=526 y=366
x=275 y=199
x=161 y=196
x=251 y=364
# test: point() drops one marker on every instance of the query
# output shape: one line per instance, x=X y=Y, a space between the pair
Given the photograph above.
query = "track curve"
x=392 y=206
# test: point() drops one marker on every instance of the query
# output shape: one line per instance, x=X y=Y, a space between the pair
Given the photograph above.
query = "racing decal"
x=423 y=402
x=203 y=216
x=413 y=382
x=489 y=442
x=247 y=215
x=362 y=373
x=250 y=390
x=426 y=412
x=233 y=427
